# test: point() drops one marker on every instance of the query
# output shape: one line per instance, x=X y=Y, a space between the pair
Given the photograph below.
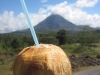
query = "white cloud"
x=75 y=15
x=44 y=1
x=9 y=22
x=86 y=3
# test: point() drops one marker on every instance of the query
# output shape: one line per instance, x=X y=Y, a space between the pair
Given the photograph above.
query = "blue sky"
x=32 y=5
x=80 y=12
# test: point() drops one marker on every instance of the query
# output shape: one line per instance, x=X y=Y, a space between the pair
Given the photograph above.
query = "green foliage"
x=27 y=40
x=71 y=49
x=67 y=48
x=16 y=43
x=2 y=61
x=49 y=40
x=62 y=36
x=88 y=38
x=81 y=42
x=71 y=39
x=80 y=49
x=1 y=49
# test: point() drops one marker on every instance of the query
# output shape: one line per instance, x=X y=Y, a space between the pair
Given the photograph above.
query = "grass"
x=76 y=49
x=1 y=49
x=6 y=64
x=5 y=69
x=98 y=47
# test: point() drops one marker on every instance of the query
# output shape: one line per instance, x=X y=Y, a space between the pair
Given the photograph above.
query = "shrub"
x=80 y=49
x=2 y=61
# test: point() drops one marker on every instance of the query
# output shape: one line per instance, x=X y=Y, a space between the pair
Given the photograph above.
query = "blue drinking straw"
x=30 y=23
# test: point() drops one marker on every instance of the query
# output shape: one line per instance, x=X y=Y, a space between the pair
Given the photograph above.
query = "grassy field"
x=76 y=49
x=6 y=64
x=6 y=69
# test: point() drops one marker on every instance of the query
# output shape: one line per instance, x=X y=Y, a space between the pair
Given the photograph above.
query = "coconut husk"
x=47 y=59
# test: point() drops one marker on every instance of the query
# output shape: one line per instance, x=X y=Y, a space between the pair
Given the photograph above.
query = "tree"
x=28 y=40
x=62 y=36
x=49 y=40
x=16 y=43
x=71 y=39
x=87 y=38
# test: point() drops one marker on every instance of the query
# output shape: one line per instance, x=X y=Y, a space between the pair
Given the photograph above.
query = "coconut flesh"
x=47 y=59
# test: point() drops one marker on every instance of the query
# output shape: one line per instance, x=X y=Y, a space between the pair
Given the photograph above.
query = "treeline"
x=13 y=43
x=10 y=43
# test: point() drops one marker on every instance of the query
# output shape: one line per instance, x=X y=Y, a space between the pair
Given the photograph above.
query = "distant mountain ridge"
x=54 y=23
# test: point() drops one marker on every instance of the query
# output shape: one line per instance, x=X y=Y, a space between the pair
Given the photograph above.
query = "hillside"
x=54 y=23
